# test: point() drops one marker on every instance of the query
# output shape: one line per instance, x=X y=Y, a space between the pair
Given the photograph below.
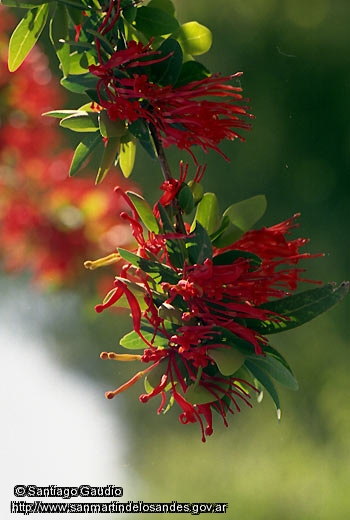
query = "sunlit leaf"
x=81 y=121
x=133 y=341
x=194 y=38
x=207 y=213
x=108 y=159
x=145 y=211
x=60 y=114
x=127 y=155
x=79 y=62
x=26 y=35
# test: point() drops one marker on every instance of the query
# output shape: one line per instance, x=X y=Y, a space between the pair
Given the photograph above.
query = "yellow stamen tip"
x=101 y=262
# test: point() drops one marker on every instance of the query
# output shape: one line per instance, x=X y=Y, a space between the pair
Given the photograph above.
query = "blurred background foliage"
x=295 y=60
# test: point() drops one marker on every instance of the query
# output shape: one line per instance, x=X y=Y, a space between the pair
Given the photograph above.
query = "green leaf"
x=226 y=234
x=60 y=114
x=194 y=38
x=246 y=213
x=159 y=272
x=167 y=72
x=79 y=83
x=93 y=95
x=170 y=313
x=26 y=4
x=300 y=308
x=75 y=9
x=266 y=382
x=207 y=213
x=129 y=13
x=272 y=352
x=82 y=151
x=137 y=290
x=79 y=62
x=155 y=375
x=26 y=35
x=272 y=366
x=197 y=394
x=155 y=22
x=144 y=211
x=58 y=32
x=108 y=159
x=198 y=245
x=191 y=71
x=104 y=41
x=140 y=130
x=228 y=360
x=197 y=191
x=126 y=158
x=238 y=219
x=228 y=257
x=185 y=198
x=81 y=121
x=133 y=341
x=109 y=128
x=165 y=5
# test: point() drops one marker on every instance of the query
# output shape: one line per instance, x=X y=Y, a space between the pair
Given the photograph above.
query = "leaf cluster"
x=232 y=356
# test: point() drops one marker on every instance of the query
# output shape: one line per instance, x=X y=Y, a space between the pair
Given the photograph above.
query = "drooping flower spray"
x=205 y=290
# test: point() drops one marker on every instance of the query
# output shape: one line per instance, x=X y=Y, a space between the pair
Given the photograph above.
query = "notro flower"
x=196 y=322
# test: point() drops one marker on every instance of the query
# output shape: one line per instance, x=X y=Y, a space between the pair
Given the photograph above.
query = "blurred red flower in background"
x=49 y=223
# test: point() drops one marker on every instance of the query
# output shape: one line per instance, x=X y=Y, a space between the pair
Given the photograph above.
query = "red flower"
x=49 y=223
x=182 y=116
x=195 y=316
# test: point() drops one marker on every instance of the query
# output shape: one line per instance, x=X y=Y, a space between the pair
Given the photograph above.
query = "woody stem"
x=163 y=161
x=160 y=154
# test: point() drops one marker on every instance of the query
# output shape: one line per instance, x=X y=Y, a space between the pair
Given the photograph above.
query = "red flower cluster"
x=49 y=223
x=201 y=113
x=191 y=319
